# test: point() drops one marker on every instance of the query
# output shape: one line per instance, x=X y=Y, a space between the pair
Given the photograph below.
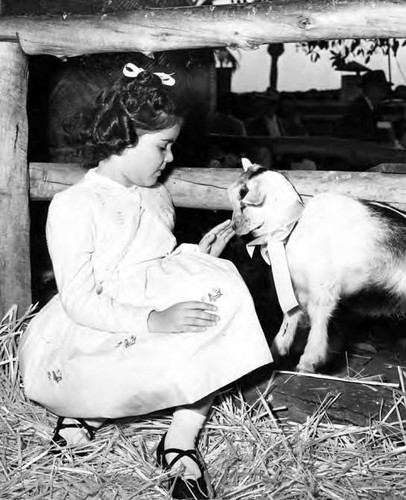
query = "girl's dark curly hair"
x=132 y=105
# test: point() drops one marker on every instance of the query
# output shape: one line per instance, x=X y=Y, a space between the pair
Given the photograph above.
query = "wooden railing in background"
x=355 y=155
x=206 y=188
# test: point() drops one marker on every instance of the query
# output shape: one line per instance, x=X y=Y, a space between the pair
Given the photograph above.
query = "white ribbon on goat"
x=273 y=251
x=132 y=71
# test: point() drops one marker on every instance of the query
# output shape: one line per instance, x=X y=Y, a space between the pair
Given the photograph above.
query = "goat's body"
x=341 y=249
x=337 y=249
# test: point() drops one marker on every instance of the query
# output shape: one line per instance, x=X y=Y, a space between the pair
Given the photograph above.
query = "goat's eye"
x=243 y=192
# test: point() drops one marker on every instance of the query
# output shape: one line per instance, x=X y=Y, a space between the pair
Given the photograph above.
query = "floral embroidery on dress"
x=120 y=218
x=100 y=198
x=55 y=376
x=213 y=295
x=127 y=342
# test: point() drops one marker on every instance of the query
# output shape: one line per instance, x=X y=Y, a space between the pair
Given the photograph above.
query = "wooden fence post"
x=15 y=272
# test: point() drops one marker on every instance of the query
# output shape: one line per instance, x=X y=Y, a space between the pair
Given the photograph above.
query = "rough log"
x=244 y=26
x=359 y=155
x=206 y=188
x=15 y=274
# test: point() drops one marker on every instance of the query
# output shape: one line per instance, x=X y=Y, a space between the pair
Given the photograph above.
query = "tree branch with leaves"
x=343 y=50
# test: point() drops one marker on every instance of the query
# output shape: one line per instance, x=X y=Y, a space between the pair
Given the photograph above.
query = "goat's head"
x=261 y=200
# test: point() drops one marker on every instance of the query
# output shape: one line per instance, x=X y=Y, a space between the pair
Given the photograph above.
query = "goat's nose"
x=235 y=222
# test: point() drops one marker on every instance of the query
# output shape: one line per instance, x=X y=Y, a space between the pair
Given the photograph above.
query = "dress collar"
x=101 y=180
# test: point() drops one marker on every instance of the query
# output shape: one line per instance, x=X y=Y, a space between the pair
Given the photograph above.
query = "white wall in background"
x=297 y=72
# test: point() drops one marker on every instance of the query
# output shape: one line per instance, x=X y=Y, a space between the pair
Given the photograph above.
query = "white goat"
x=336 y=247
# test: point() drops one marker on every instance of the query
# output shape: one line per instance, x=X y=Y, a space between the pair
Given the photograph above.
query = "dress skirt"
x=77 y=371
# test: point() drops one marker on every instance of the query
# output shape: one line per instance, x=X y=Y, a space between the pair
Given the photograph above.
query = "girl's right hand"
x=190 y=316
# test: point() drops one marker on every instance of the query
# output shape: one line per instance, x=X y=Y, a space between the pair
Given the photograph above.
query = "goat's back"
x=346 y=245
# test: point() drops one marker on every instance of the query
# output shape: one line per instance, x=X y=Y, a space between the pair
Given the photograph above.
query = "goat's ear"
x=254 y=196
x=246 y=164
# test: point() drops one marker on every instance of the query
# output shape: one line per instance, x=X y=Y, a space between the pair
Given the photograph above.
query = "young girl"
x=139 y=324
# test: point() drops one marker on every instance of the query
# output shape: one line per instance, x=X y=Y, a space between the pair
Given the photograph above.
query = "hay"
x=250 y=453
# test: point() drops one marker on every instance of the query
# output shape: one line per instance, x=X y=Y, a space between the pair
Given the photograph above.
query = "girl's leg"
x=182 y=434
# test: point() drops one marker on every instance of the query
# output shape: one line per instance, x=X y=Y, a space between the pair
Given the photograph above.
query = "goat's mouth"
x=243 y=224
x=248 y=231
x=256 y=230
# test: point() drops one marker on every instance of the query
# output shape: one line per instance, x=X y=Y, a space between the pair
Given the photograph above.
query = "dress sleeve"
x=70 y=234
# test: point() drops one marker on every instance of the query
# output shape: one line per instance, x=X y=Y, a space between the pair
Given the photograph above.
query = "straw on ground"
x=250 y=453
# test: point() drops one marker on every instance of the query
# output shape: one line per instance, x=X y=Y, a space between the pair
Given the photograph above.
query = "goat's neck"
x=280 y=227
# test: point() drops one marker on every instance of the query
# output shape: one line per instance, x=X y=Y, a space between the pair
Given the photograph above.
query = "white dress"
x=88 y=353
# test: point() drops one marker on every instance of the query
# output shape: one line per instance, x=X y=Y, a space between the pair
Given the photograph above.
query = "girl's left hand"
x=215 y=240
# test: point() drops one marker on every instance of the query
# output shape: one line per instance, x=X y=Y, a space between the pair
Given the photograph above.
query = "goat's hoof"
x=305 y=367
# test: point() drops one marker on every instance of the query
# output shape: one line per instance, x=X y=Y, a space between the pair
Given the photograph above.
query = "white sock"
x=182 y=434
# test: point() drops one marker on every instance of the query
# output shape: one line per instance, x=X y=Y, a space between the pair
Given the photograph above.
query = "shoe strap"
x=192 y=454
x=80 y=424
x=90 y=428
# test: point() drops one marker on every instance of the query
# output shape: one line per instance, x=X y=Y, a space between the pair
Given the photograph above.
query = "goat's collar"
x=273 y=251
x=282 y=230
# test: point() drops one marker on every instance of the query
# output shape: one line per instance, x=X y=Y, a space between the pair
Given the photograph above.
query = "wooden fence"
x=244 y=26
x=206 y=188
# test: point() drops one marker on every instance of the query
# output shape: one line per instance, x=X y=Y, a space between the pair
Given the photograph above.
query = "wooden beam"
x=206 y=188
x=245 y=26
x=15 y=273
x=359 y=155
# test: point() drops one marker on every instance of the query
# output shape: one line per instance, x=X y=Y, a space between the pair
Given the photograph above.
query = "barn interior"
x=61 y=89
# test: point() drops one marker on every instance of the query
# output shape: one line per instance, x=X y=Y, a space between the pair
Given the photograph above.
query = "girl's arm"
x=70 y=238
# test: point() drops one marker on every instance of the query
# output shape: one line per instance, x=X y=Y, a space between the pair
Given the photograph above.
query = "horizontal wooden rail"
x=360 y=155
x=244 y=26
x=206 y=188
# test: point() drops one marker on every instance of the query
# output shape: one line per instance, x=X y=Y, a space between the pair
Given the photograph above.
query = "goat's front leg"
x=286 y=334
x=316 y=350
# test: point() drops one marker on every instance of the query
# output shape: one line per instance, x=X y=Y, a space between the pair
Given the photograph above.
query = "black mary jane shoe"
x=180 y=488
x=59 y=443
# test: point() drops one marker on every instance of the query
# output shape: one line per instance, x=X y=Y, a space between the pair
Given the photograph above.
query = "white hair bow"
x=132 y=71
